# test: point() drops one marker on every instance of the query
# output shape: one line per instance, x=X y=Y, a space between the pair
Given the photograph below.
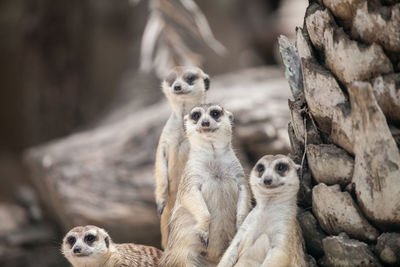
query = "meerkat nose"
x=77 y=249
x=267 y=180
x=178 y=87
x=205 y=123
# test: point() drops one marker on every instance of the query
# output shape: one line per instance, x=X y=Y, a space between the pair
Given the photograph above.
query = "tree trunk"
x=348 y=95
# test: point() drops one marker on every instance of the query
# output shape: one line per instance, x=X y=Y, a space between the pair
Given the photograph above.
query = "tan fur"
x=173 y=147
x=98 y=253
x=270 y=235
x=213 y=197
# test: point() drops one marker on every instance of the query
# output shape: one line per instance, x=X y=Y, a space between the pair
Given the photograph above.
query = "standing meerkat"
x=213 y=196
x=270 y=235
x=184 y=87
x=91 y=246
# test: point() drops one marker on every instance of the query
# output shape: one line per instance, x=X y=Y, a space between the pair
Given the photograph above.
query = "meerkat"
x=91 y=246
x=213 y=197
x=184 y=87
x=270 y=235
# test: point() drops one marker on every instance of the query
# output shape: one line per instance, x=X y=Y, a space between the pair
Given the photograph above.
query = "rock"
x=377 y=159
x=388 y=248
x=343 y=252
x=329 y=164
x=374 y=23
x=347 y=59
x=336 y=212
x=104 y=175
x=12 y=217
x=327 y=104
x=312 y=233
x=344 y=10
x=387 y=92
x=310 y=261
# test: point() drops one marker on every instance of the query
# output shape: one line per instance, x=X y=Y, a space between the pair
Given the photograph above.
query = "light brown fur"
x=103 y=252
x=173 y=147
x=213 y=197
x=270 y=235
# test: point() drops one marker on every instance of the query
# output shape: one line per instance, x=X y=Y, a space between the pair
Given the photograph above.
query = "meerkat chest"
x=219 y=183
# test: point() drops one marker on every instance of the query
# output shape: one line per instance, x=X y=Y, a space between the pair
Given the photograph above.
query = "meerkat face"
x=86 y=245
x=185 y=82
x=209 y=121
x=273 y=174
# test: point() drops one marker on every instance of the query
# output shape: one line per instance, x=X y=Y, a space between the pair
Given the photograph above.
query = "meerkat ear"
x=207 y=83
x=107 y=241
x=230 y=116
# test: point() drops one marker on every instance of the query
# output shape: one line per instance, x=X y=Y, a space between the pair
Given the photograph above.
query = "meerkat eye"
x=190 y=79
x=215 y=113
x=195 y=116
x=260 y=168
x=281 y=167
x=71 y=240
x=90 y=238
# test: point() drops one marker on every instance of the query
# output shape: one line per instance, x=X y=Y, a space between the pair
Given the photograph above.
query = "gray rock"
x=330 y=164
x=343 y=252
x=388 y=248
x=312 y=233
x=337 y=212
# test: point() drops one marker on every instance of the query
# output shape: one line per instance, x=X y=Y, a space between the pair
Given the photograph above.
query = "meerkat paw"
x=160 y=207
x=203 y=238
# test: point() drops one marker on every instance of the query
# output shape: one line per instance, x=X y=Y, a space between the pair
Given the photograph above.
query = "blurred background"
x=81 y=109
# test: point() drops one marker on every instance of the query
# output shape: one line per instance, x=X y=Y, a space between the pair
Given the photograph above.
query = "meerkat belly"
x=221 y=196
x=254 y=250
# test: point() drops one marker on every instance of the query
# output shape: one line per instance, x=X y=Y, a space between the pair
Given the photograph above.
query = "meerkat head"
x=209 y=122
x=86 y=246
x=274 y=176
x=184 y=83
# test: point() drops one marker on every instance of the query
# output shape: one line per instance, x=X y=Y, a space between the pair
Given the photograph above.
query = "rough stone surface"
x=330 y=113
x=388 y=248
x=374 y=23
x=343 y=252
x=377 y=160
x=387 y=92
x=347 y=59
x=337 y=212
x=344 y=10
x=330 y=164
x=312 y=233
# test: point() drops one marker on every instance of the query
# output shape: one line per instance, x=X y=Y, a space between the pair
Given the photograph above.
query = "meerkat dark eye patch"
x=71 y=240
x=281 y=168
x=190 y=78
x=260 y=169
x=195 y=115
x=215 y=113
x=170 y=78
x=90 y=238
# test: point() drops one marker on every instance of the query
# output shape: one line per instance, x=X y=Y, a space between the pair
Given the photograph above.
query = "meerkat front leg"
x=161 y=177
x=231 y=255
x=276 y=257
x=195 y=204
x=243 y=204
